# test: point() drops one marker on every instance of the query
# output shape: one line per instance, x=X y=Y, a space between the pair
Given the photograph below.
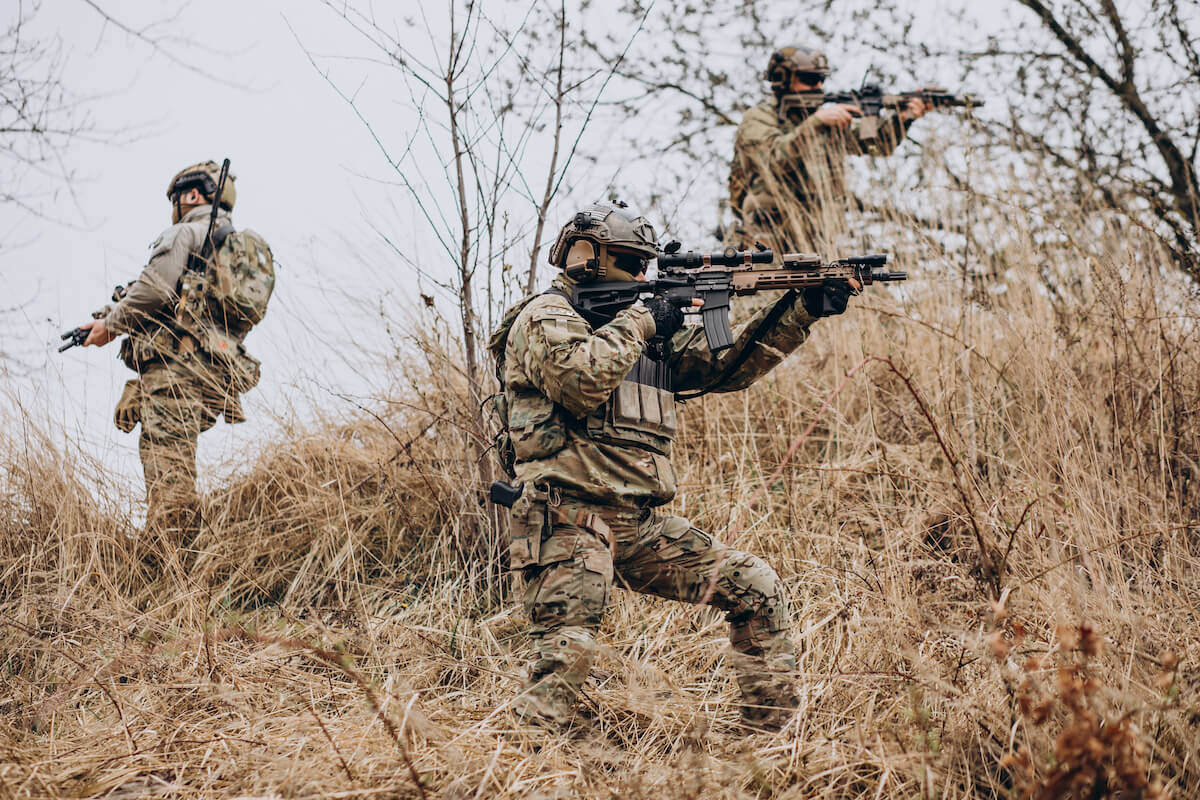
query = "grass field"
x=989 y=540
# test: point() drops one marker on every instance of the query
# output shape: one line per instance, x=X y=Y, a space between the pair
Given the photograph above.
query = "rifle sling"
x=768 y=323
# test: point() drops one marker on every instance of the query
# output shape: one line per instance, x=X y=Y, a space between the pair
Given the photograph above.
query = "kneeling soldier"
x=590 y=419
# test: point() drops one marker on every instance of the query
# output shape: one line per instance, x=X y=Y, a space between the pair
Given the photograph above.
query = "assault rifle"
x=78 y=336
x=715 y=277
x=872 y=100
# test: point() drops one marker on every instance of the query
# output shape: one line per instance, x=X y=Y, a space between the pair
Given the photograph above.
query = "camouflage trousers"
x=587 y=550
x=174 y=407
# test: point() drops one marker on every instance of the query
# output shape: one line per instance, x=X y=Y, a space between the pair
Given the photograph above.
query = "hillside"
x=989 y=539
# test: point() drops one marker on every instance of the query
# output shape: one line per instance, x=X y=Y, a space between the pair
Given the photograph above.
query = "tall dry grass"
x=989 y=540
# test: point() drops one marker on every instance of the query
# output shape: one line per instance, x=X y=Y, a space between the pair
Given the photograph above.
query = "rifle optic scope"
x=726 y=258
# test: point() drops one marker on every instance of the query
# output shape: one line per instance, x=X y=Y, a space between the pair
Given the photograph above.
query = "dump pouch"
x=232 y=410
x=528 y=525
x=244 y=371
x=129 y=408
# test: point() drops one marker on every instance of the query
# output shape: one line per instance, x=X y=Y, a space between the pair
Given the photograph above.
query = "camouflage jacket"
x=777 y=163
x=148 y=311
x=590 y=414
x=150 y=300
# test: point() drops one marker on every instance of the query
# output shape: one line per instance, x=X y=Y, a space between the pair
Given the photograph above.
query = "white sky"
x=309 y=179
x=300 y=157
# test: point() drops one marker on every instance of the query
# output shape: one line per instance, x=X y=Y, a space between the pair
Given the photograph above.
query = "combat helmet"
x=793 y=60
x=204 y=177
x=604 y=238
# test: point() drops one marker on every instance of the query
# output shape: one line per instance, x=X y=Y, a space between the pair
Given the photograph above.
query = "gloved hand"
x=667 y=316
x=827 y=299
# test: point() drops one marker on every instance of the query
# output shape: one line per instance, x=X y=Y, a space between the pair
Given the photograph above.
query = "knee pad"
x=757 y=588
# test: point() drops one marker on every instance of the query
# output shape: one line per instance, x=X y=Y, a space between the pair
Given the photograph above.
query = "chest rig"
x=640 y=412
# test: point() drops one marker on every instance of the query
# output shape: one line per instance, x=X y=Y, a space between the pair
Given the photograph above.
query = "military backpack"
x=502 y=441
x=222 y=301
x=240 y=280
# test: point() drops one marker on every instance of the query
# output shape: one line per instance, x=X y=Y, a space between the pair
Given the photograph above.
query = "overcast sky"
x=232 y=79
x=304 y=165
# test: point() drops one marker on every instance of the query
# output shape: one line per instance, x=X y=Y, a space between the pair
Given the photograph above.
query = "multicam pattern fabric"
x=786 y=169
x=175 y=408
x=568 y=588
x=150 y=301
x=183 y=383
x=559 y=375
x=591 y=422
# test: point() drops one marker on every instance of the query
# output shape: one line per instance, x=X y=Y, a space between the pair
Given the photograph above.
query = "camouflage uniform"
x=180 y=391
x=592 y=421
x=787 y=176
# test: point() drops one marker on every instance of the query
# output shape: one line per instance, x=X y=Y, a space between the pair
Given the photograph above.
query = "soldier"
x=787 y=182
x=191 y=368
x=589 y=420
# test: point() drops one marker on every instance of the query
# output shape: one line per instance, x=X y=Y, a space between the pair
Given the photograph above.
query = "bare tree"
x=495 y=101
x=683 y=88
x=1107 y=95
x=1088 y=100
x=39 y=115
x=42 y=115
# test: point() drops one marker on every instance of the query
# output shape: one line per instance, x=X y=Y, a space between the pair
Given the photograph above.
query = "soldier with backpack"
x=184 y=318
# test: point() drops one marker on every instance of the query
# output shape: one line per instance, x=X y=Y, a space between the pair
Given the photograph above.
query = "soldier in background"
x=588 y=422
x=787 y=184
x=188 y=374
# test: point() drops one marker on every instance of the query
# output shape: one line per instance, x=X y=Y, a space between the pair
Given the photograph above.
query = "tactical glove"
x=667 y=317
x=827 y=299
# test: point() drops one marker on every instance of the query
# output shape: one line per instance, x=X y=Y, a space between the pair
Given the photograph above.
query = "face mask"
x=581 y=265
x=614 y=273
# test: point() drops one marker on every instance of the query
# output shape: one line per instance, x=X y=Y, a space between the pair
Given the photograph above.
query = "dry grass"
x=335 y=632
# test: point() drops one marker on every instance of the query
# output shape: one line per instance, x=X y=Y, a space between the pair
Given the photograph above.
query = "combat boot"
x=768 y=691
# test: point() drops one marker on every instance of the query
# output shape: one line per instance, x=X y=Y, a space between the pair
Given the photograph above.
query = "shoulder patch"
x=550 y=305
x=165 y=241
x=551 y=312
